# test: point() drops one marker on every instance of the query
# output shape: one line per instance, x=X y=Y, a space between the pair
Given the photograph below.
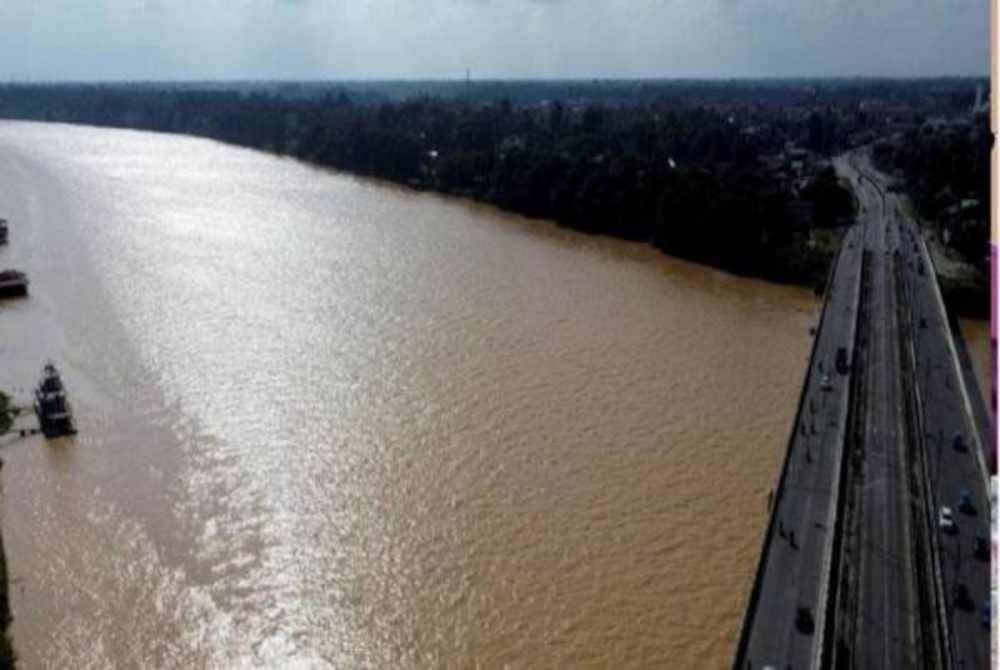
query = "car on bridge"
x=965 y=502
x=804 y=620
x=981 y=548
x=962 y=599
x=843 y=366
x=946 y=521
x=958 y=443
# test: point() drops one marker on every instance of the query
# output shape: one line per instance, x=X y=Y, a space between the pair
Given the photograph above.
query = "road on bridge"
x=947 y=439
x=885 y=625
x=914 y=402
x=948 y=412
x=786 y=611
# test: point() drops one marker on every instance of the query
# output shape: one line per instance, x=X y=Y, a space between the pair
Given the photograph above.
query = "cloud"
x=127 y=39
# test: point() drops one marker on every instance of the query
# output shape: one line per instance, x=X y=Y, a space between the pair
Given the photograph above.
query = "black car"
x=981 y=549
x=962 y=599
x=804 y=620
x=965 y=502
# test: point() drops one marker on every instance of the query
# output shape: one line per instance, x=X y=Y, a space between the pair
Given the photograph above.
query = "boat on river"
x=13 y=283
x=55 y=415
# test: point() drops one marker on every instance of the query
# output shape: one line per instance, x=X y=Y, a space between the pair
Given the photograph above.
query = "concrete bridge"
x=855 y=570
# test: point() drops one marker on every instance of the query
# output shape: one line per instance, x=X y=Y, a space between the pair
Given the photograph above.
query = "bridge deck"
x=794 y=569
x=904 y=312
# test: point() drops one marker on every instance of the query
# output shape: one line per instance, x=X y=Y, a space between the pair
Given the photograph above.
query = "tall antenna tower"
x=980 y=105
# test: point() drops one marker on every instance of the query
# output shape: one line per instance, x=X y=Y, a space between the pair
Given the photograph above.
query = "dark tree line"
x=941 y=96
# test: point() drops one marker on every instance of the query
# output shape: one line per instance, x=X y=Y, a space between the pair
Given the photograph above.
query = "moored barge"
x=55 y=416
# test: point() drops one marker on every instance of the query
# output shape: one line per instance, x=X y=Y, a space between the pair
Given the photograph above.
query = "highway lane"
x=888 y=623
x=947 y=412
x=794 y=571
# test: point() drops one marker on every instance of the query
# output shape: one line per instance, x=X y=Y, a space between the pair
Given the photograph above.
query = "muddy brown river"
x=326 y=422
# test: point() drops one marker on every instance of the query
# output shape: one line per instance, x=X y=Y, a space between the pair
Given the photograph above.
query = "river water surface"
x=329 y=422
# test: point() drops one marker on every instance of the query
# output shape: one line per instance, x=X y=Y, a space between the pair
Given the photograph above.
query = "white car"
x=945 y=520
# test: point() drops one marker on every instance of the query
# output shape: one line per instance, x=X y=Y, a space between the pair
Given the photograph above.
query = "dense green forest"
x=933 y=96
x=676 y=165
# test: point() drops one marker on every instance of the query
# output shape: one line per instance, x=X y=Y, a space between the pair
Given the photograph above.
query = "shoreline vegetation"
x=731 y=174
x=677 y=166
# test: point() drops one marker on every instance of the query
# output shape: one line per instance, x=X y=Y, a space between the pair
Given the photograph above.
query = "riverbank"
x=685 y=180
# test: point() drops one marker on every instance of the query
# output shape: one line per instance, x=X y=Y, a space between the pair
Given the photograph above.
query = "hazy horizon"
x=526 y=80
x=405 y=40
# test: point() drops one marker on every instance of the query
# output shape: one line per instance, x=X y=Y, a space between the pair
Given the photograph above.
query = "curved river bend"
x=328 y=422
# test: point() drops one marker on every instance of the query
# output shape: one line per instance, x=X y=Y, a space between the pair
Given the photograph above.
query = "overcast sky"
x=357 y=39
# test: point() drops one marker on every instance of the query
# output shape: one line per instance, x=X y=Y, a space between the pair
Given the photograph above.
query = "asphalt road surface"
x=793 y=574
x=887 y=630
x=947 y=413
